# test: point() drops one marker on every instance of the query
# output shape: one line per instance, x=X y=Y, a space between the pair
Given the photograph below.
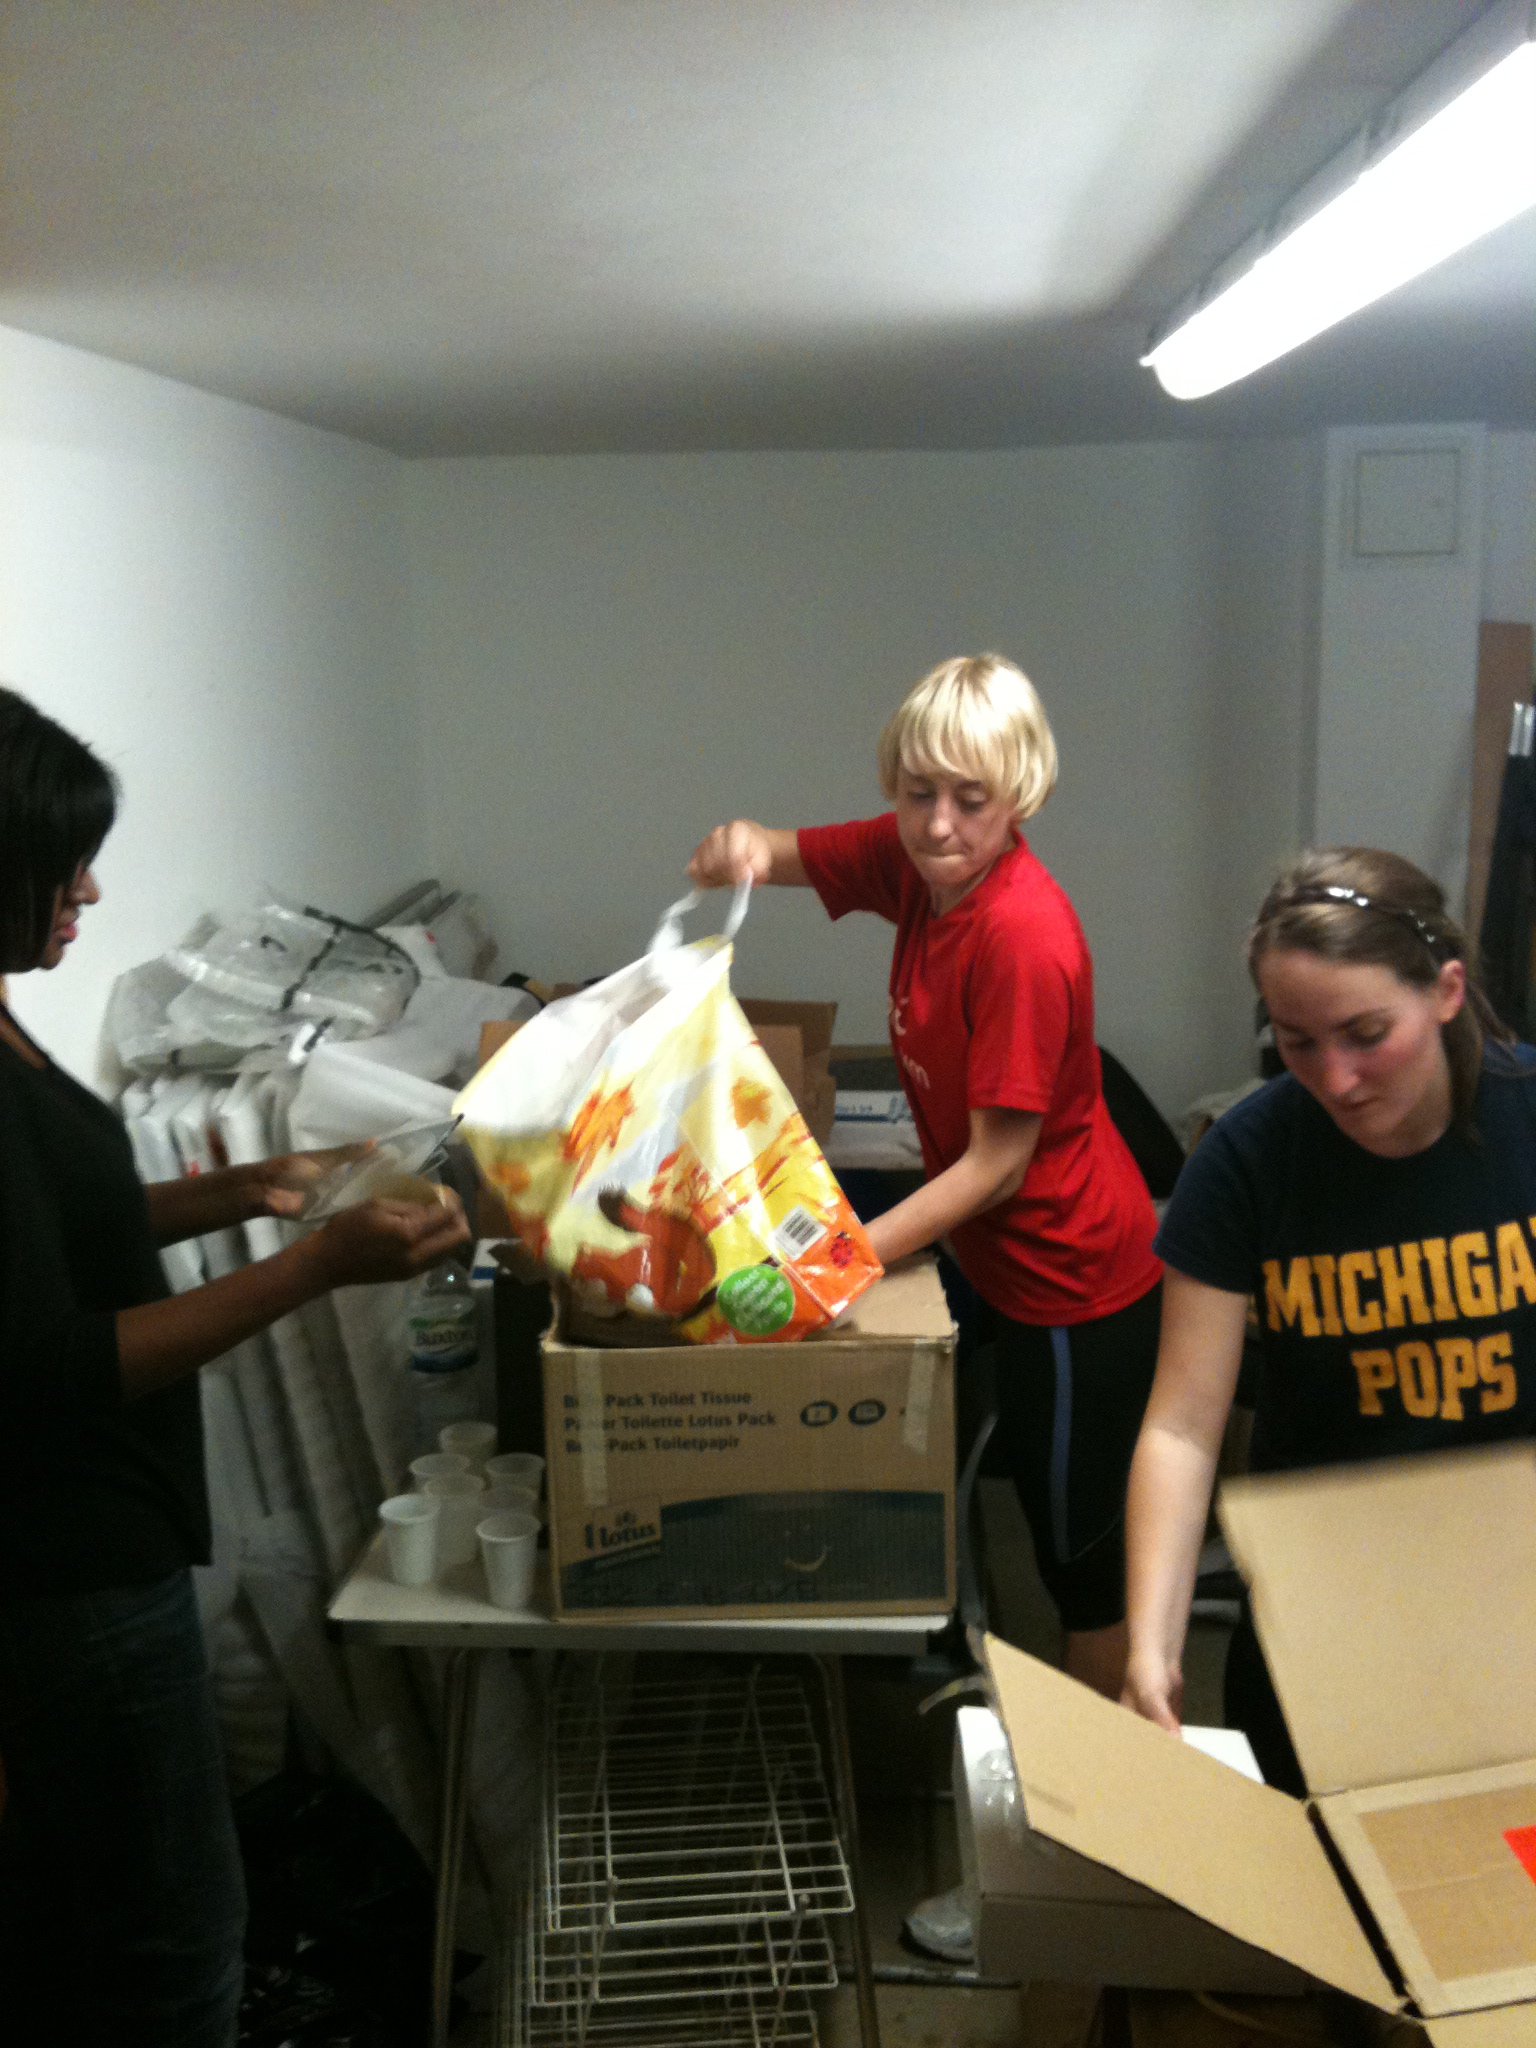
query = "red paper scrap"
x=1523 y=1842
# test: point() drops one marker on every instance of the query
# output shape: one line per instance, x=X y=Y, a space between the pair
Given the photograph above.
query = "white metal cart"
x=779 y=1941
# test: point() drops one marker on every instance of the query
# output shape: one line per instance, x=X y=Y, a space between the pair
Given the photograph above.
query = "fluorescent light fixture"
x=1468 y=169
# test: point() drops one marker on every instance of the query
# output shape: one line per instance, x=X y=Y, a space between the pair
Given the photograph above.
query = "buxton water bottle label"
x=441 y=1343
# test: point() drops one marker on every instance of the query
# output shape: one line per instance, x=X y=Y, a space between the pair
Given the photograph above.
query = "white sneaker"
x=942 y=1927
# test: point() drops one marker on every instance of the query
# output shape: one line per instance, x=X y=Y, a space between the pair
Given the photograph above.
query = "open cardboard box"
x=694 y=1480
x=1396 y=1603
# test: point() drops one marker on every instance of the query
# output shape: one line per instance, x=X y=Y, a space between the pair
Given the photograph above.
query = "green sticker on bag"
x=757 y=1300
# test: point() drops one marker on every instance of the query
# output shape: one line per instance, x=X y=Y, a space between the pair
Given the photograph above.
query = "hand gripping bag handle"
x=669 y=933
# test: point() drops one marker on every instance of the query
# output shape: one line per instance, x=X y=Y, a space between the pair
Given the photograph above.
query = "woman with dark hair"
x=120 y=1883
x=1377 y=1204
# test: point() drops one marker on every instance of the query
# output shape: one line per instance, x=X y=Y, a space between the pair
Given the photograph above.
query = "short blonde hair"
x=978 y=717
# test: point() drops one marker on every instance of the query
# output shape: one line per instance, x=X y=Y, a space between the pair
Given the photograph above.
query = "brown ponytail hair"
x=1361 y=906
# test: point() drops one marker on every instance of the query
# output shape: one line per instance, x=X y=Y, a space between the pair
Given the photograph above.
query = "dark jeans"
x=122 y=1901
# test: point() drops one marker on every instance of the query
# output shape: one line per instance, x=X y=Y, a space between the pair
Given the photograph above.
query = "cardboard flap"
x=1447 y=1867
x=1396 y=1603
x=1508 y=2026
x=814 y=1021
x=1111 y=1787
x=907 y=1301
x=786 y=1049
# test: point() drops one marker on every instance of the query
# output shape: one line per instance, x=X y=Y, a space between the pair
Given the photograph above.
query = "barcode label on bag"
x=797 y=1233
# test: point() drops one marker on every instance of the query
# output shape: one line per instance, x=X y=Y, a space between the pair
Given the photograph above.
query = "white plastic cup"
x=461 y=1497
x=473 y=1440
x=501 y=1499
x=410 y=1537
x=516 y=1468
x=436 y=1465
x=509 y=1546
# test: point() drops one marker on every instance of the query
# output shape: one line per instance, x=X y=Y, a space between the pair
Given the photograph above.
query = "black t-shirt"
x=1396 y=1298
x=97 y=1491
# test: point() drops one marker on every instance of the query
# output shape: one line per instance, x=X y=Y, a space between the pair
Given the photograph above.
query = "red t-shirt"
x=992 y=1008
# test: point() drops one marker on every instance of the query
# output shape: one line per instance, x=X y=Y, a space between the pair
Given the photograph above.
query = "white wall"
x=601 y=657
x=619 y=652
x=1264 y=713
x=212 y=597
x=1509 y=531
x=1398 y=669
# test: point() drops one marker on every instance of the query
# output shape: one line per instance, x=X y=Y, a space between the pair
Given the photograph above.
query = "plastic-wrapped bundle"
x=140 y=1029
x=300 y=964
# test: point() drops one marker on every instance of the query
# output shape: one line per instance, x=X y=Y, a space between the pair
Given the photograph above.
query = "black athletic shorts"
x=1070 y=1404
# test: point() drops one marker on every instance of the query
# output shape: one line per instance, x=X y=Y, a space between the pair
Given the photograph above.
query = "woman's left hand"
x=285 y=1186
x=228 y=1196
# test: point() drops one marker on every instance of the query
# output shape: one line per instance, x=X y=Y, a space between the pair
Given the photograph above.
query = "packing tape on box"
x=589 y=1414
x=914 y=1429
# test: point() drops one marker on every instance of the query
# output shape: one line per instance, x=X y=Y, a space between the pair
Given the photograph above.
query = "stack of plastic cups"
x=509 y=1546
x=436 y=1465
x=475 y=1441
x=410 y=1537
x=461 y=1499
x=516 y=1468
x=513 y=1481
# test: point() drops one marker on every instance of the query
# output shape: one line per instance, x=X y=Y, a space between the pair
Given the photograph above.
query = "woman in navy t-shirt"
x=1377 y=1204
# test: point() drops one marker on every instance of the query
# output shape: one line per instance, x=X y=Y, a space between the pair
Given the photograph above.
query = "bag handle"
x=669 y=933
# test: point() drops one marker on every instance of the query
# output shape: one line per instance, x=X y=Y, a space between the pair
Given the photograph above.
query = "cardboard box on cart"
x=1397 y=1607
x=688 y=1480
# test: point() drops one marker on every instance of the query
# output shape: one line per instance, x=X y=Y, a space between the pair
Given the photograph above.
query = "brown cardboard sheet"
x=1510 y=2026
x=797 y=1037
x=1152 y=1946
x=1108 y=1785
x=1448 y=1886
x=493 y=1037
x=785 y=1047
x=1396 y=1603
x=905 y=1302
x=814 y=1022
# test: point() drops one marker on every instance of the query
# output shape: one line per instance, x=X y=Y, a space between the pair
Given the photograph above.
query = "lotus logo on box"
x=618 y=1530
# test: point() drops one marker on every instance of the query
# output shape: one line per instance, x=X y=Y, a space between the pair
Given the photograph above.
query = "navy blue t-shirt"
x=1396 y=1298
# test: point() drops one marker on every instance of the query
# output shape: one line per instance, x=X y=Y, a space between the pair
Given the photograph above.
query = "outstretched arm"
x=231 y=1195
x=990 y=1169
x=741 y=851
x=1172 y=1476
x=163 y=1341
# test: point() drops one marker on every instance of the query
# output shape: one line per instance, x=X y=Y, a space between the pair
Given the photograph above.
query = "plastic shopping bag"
x=647 y=1150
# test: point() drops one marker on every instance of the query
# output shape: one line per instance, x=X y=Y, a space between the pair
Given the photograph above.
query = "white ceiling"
x=461 y=227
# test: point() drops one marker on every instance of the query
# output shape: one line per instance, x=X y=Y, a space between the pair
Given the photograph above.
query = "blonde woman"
x=1028 y=1181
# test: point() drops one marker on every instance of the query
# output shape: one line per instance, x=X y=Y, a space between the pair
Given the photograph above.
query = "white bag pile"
x=281 y=1031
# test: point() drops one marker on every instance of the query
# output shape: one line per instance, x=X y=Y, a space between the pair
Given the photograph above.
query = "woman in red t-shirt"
x=1028 y=1181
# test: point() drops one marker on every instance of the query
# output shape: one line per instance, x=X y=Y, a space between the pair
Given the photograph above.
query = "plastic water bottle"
x=445 y=1350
